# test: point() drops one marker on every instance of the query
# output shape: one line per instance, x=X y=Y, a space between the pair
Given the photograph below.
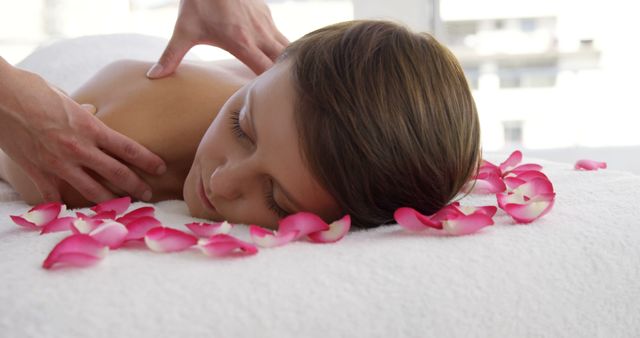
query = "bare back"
x=168 y=116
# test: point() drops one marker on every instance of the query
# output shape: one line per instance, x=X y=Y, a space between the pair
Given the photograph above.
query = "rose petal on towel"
x=532 y=209
x=58 y=224
x=412 y=220
x=590 y=165
x=509 y=198
x=223 y=245
x=449 y=211
x=302 y=222
x=535 y=187
x=109 y=214
x=523 y=168
x=489 y=168
x=513 y=182
x=110 y=233
x=467 y=224
x=139 y=227
x=268 y=238
x=119 y=205
x=84 y=224
x=207 y=230
x=488 y=210
x=76 y=250
x=135 y=214
x=38 y=216
x=531 y=174
x=485 y=183
x=511 y=162
x=161 y=239
x=337 y=230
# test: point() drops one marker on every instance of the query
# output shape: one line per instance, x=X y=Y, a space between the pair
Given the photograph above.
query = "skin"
x=186 y=120
x=53 y=138
x=242 y=27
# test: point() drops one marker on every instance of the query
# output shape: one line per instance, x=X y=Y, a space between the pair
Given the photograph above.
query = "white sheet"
x=573 y=273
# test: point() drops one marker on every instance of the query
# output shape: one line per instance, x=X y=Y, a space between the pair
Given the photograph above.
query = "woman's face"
x=235 y=171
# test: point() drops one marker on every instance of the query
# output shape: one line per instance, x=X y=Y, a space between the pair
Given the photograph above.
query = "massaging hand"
x=52 y=137
x=242 y=27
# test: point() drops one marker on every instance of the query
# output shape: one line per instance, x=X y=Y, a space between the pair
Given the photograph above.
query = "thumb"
x=91 y=109
x=170 y=59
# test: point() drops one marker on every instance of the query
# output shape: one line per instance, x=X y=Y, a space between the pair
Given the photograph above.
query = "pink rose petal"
x=336 y=231
x=590 y=165
x=109 y=214
x=39 y=215
x=532 y=209
x=223 y=245
x=511 y=162
x=138 y=228
x=302 y=222
x=119 y=205
x=207 y=230
x=412 y=220
x=530 y=174
x=464 y=225
x=535 y=187
x=270 y=239
x=110 y=233
x=76 y=250
x=485 y=183
x=487 y=167
x=509 y=198
x=513 y=182
x=84 y=224
x=488 y=210
x=168 y=240
x=523 y=168
x=449 y=211
x=135 y=214
x=59 y=224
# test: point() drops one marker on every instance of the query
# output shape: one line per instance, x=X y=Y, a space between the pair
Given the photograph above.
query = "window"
x=528 y=25
x=512 y=132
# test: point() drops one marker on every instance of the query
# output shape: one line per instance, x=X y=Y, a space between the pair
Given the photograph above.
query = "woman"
x=360 y=117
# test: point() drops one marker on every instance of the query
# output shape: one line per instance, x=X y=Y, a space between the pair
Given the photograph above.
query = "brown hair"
x=385 y=116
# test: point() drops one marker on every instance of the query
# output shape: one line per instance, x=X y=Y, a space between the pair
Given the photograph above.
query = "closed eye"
x=269 y=199
x=235 y=126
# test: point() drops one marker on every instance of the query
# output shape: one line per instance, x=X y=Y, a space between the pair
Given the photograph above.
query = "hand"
x=52 y=137
x=242 y=27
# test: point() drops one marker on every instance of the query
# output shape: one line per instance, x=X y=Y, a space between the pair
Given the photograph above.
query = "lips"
x=203 y=197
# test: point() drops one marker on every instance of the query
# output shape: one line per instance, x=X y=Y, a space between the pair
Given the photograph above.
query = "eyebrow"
x=249 y=101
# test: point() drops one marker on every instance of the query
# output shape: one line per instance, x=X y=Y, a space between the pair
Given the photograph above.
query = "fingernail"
x=89 y=108
x=161 y=169
x=155 y=70
x=146 y=196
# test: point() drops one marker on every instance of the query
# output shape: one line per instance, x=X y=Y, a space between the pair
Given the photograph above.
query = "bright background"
x=555 y=78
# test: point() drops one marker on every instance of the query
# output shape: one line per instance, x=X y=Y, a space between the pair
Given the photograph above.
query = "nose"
x=228 y=181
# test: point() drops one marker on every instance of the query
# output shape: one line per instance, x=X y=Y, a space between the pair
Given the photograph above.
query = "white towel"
x=572 y=273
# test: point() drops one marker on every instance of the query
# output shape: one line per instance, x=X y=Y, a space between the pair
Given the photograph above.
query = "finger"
x=254 y=58
x=282 y=39
x=272 y=50
x=131 y=151
x=45 y=185
x=91 y=109
x=88 y=187
x=120 y=176
x=171 y=57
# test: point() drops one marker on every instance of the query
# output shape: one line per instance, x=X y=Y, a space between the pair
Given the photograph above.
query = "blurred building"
x=544 y=73
x=538 y=71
